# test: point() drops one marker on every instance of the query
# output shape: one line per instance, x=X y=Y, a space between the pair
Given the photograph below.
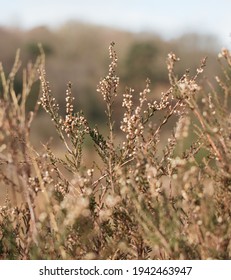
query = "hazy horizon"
x=166 y=18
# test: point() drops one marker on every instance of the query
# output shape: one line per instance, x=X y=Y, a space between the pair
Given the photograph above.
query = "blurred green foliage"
x=33 y=49
x=140 y=61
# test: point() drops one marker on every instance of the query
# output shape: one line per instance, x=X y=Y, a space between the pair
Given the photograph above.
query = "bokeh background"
x=76 y=34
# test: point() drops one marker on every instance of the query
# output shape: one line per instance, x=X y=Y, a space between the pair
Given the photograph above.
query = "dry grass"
x=142 y=201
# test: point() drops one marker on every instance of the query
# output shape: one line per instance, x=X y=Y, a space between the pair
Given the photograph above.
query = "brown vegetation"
x=148 y=195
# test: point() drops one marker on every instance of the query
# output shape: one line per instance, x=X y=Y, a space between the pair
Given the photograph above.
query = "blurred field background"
x=76 y=51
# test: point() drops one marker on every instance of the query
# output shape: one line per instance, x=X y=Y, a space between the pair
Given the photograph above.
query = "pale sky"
x=169 y=18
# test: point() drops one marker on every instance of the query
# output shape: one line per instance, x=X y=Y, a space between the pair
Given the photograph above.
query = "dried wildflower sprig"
x=49 y=103
x=157 y=106
x=184 y=87
x=171 y=61
x=185 y=90
x=47 y=100
x=74 y=126
x=108 y=87
x=215 y=109
x=132 y=123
